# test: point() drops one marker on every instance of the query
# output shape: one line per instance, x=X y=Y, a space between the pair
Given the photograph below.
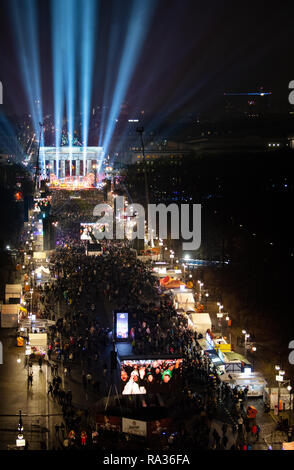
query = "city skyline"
x=193 y=66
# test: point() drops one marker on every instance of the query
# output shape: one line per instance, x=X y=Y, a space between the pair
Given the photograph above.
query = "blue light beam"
x=58 y=73
x=70 y=28
x=88 y=15
x=24 y=18
x=119 y=22
x=141 y=15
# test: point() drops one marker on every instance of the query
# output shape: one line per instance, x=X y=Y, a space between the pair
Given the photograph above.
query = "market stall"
x=9 y=315
x=13 y=293
x=235 y=362
x=254 y=381
x=272 y=395
x=183 y=299
x=37 y=346
x=200 y=322
x=216 y=360
x=162 y=271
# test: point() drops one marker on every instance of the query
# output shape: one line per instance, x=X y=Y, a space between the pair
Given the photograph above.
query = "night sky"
x=193 y=52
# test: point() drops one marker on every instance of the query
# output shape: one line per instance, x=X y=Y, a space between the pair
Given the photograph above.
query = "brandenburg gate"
x=71 y=165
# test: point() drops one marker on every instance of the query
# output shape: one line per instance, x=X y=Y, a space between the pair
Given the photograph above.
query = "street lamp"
x=161 y=248
x=200 y=286
x=246 y=336
x=279 y=379
x=31 y=292
x=253 y=357
x=220 y=322
x=172 y=255
x=164 y=254
x=184 y=266
x=220 y=307
x=20 y=441
x=289 y=388
x=20 y=426
x=228 y=319
x=206 y=299
x=31 y=302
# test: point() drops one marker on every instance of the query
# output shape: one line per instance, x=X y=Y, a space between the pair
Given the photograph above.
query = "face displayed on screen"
x=151 y=376
x=124 y=376
x=142 y=372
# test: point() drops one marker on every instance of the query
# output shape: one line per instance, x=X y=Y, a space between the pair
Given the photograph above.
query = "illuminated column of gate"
x=62 y=168
x=88 y=166
x=52 y=162
x=78 y=167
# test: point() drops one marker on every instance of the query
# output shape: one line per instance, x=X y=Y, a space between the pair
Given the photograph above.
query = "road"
x=39 y=413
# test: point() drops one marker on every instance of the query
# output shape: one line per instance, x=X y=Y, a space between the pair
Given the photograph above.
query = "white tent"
x=39 y=255
x=41 y=270
x=12 y=291
x=38 y=339
x=184 y=300
x=200 y=322
x=255 y=381
x=9 y=315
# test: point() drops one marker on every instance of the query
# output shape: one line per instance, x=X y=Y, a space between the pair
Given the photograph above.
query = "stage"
x=73 y=167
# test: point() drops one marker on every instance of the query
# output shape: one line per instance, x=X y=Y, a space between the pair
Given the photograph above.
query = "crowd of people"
x=80 y=296
x=69 y=212
x=159 y=329
x=117 y=276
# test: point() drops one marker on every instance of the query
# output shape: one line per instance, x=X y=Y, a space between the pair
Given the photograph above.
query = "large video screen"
x=91 y=227
x=85 y=230
x=151 y=376
x=122 y=326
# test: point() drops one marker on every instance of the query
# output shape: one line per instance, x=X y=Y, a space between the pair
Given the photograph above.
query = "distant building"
x=250 y=104
x=241 y=136
x=237 y=144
